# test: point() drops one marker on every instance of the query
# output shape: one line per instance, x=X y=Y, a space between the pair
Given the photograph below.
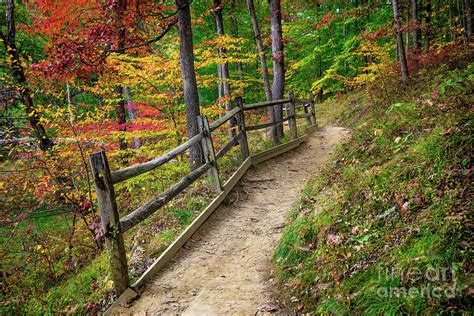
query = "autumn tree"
x=263 y=64
x=190 y=90
x=224 y=66
x=234 y=30
x=416 y=26
x=467 y=18
x=120 y=7
x=399 y=37
x=278 y=86
x=427 y=24
x=260 y=49
x=18 y=72
x=80 y=45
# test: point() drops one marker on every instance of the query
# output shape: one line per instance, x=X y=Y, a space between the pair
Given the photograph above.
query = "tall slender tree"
x=278 y=86
x=416 y=26
x=407 y=31
x=9 y=40
x=467 y=22
x=220 y=89
x=399 y=36
x=224 y=67
x=260 y=49
x=234 y=30
x=191 y=97
x=263 y=63
x=120 y=8
x=427 y=24
x=131 y=113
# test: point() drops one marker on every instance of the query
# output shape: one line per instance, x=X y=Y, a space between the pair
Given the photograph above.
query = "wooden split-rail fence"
x=104 y=179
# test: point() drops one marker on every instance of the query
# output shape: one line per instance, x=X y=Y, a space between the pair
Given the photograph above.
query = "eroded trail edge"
x=225 y=267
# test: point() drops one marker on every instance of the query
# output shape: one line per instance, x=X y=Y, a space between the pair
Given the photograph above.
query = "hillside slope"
x=386 y=226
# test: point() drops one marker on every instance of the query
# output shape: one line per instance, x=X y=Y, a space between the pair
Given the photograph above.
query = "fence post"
x=287 y=112
x=292 y=120
x=208 y=151
x=243 y=142
x=307 y=114
x=110 y=221
x=313 y=110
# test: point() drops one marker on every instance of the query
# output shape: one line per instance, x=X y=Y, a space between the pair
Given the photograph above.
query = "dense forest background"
x=130 y=77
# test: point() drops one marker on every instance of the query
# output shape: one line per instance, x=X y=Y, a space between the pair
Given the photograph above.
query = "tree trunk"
x=397 y=56
x=220 y=90
x=427 y=24
x=191 y=97
x=467 y=22
x=240 y=71
x=261 y=50
x=278 y=86
x=131 y=113
x=121 y=114
x=401 y=50
x=320 y=73
x=452 y=33
x=19 y=74
x=234 y=30
x=263 y=63
x=416 y=26
x=407 y=32
x=225 y=66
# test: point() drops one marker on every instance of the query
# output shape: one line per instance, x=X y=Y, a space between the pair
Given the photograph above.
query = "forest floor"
x=225 y=267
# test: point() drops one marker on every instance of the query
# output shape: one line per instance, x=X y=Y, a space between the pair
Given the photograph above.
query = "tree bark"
x=121 y=114
x=427 y=24
x=220 y=89
x=261 y=50
x=452 y=33
x=401 y=50
x=234 y=30
x=407 y=32
x=263 y=63
x=225 y=66
x=191 y=97
x=467 y=22
x=416 y=26
x=39 y=131
x=278 y=85
x=320 y=73
x=131 y=113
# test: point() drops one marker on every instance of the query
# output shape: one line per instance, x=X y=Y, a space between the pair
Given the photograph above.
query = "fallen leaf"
x=267 y=308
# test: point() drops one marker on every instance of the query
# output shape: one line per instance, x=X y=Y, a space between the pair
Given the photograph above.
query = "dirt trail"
x=224 y=268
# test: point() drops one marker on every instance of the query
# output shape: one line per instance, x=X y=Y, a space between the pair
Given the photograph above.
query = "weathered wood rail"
x=104 y=179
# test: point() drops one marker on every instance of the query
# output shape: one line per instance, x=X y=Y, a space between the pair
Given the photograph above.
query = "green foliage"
x=391 y=212
x=86 y=290
x=333 y=52
x=185 y=217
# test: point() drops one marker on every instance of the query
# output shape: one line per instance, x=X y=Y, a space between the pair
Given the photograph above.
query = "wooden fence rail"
x=114 y=227
x=150 y=207
x=255 y=106
x=133 y=171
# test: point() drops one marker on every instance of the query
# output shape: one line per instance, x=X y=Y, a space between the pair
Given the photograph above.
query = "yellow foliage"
x=379 y=57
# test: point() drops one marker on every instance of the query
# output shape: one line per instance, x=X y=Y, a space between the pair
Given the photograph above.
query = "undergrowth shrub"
x=391 y=213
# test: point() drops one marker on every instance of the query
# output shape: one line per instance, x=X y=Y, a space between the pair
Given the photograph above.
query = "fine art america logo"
x=435 y=282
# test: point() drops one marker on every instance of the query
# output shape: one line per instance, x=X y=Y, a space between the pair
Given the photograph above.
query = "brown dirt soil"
x=225 y=268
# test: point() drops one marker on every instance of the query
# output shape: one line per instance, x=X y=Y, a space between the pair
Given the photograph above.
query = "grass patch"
x=385 y=227
x=74 y=295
